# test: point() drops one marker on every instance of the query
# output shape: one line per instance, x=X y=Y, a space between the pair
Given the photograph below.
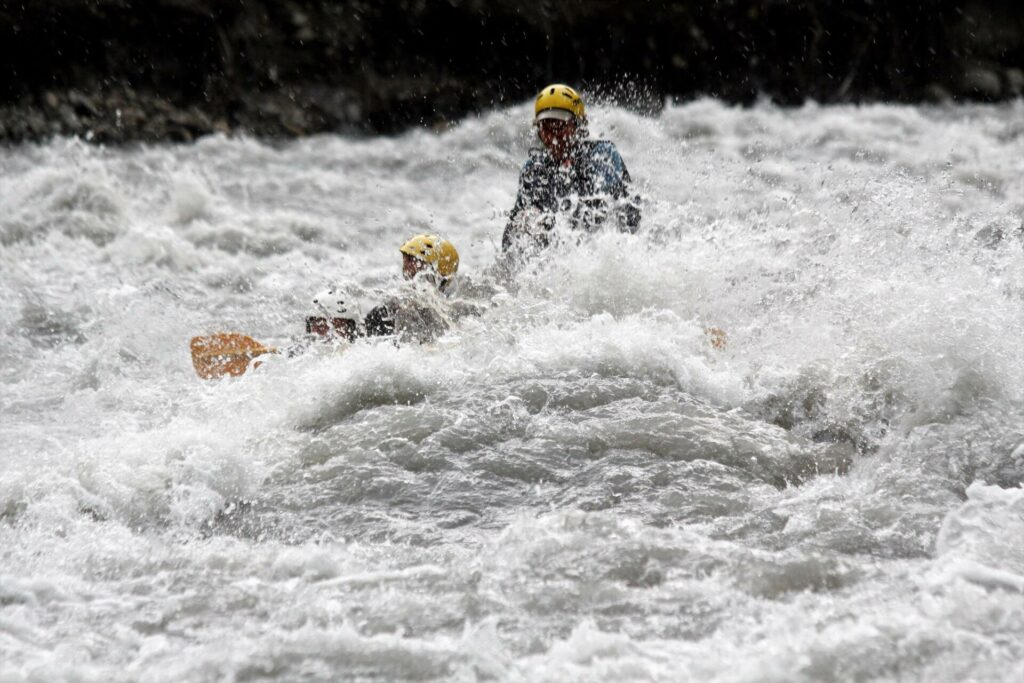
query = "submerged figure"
x=585 y=178
x=335 y=318
x=336 y=315
x=422 y=310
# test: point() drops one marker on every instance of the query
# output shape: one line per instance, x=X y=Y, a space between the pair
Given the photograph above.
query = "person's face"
x=557 y=136
x=412 y=265
x=318 y=325
x=335 y=327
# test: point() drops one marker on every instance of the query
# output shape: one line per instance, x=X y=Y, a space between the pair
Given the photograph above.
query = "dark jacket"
x=594 y=186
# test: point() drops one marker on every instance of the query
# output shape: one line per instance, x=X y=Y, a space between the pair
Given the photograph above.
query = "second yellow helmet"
x=437 y=251
x=558 y=101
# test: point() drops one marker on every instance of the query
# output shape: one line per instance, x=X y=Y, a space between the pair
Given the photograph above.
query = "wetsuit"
x=592 y=187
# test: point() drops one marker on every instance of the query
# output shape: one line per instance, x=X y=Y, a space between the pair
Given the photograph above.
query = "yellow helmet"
x=557 y=101
x=437 y=251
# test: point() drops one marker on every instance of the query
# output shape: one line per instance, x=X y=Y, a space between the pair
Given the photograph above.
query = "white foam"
x=574 y=485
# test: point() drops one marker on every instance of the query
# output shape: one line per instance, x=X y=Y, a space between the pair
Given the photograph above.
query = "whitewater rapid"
x=574 y=486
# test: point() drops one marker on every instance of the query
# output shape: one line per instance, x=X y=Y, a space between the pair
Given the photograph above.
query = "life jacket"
x=593 y=185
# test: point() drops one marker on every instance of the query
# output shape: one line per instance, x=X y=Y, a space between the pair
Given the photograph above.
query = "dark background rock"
x=121 y=70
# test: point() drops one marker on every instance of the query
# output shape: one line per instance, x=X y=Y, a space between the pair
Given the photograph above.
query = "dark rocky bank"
x=128 y=70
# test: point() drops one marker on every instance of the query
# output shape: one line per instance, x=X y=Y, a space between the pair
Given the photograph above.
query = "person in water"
x=419 y=312
x=423 y=310
x=574 y=174
x=335 y=319
x=336 y=316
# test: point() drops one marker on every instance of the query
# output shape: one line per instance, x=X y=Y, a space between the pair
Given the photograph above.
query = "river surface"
x=574 y=486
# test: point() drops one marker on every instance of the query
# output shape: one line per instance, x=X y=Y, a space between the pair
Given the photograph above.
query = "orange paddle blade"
x=225 y=353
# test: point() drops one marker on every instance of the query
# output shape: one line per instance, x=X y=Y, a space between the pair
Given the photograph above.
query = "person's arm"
x=522 y=200
x=529 y=197
x=612 y=179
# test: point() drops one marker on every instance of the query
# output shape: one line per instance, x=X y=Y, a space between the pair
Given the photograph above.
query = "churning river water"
x=574 y=486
